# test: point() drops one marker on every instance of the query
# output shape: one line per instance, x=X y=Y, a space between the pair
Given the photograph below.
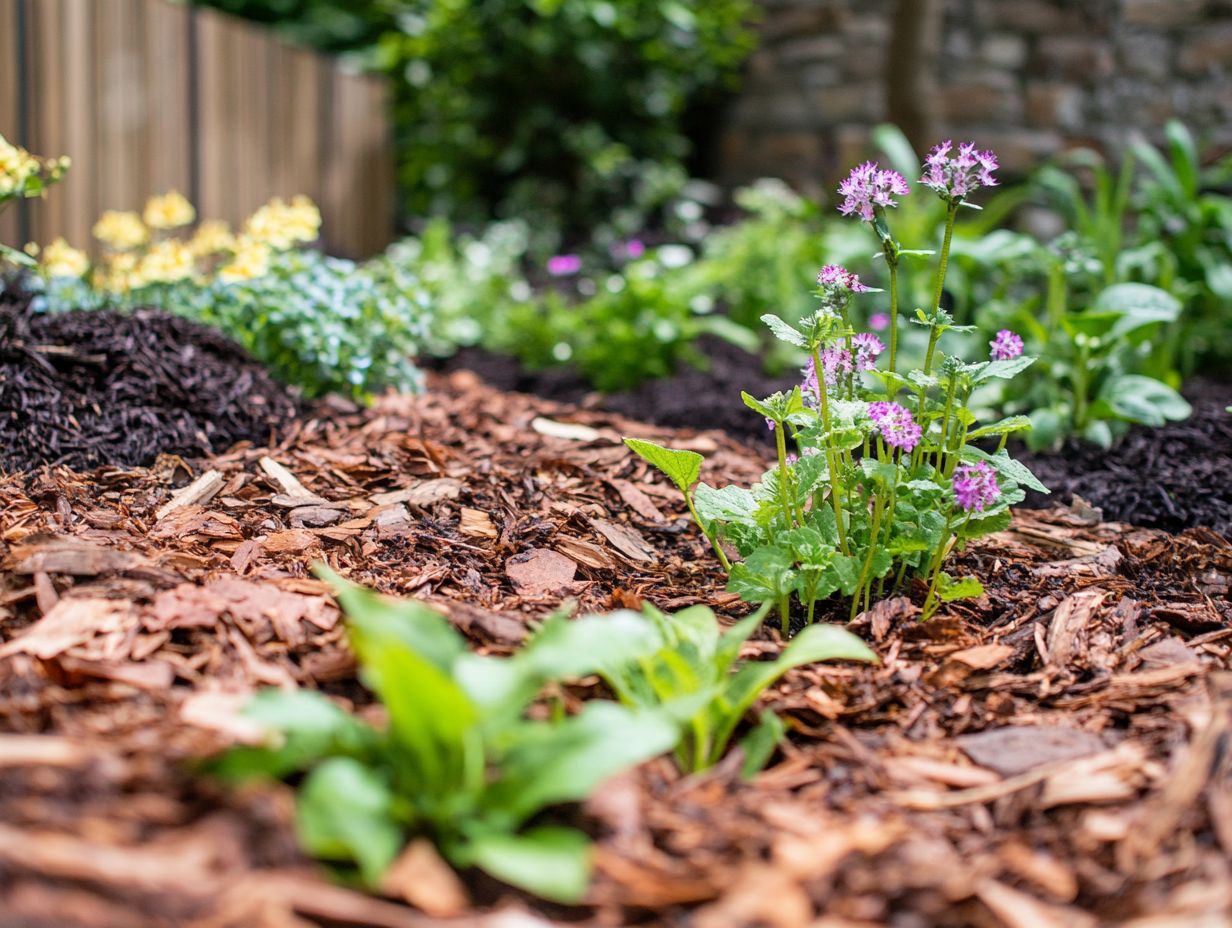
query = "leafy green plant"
x=1096 y=380
x=458 y=759
x=23 y=176
x=873 y=492
x=1184 y=226
x=694 y=669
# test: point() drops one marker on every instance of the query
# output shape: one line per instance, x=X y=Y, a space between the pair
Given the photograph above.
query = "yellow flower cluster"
x=282 y=225
x=60 y=259
x=122 y=231
x=18 y=168
x=138 y=255
x=170 y=211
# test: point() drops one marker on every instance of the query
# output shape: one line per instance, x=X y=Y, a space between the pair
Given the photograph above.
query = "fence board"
x=112 y=84
x=10 y=225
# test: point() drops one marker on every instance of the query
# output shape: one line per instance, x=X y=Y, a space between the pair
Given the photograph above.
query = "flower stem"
x=784 y=475
x=836 y=481
x=710 y=535
x=890 y=391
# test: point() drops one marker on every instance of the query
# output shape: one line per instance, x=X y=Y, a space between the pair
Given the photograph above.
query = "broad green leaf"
x=729 y=504
x=949 y=589
x=1144 y=399
x=1047 y=429
x=564 y=762
x=784 y=331
x=345 y=813
x=549 y=861
x=759 y=744
x=1004 y=370
x=1001 y=427
x=308 y=726
x=681 y=467
x=1006 y=467
x=765 y=575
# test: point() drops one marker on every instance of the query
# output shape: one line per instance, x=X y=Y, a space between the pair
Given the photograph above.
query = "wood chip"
x=197 y=493
x=476 y=524
x=70 y=623
x=540 y=571
x=566 y=430
x=422 y=494
x=628 y=541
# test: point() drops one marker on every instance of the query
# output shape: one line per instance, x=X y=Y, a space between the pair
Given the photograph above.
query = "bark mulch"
x=84 y=389
x=1056 y=753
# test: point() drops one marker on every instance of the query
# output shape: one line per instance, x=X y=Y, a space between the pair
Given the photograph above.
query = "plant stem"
x=861 y=586
x=785 y=614
x=784 y=474
x=893 y=323
x=831 y=463
x=951 y=215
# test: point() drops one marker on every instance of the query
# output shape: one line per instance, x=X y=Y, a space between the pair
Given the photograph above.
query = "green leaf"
x=1144 y=399
x=759 y=744
x=729 y=504
x=681 y=467
x=1005 y=370
x=1005 y=466
x=765 y=575
x=345 y=813
x=784 y=331
x=564 y=762
x=949 y=589
x=1001 y=427
x=549 y=861
x=18 y=258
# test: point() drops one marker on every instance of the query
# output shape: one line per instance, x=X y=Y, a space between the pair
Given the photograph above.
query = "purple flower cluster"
x=960 y=176
x=868 y=346
x=868 y=187
x=898 y=429
x=834 y=275
x=564 y=265
x=975 y=486
x=1005 y=346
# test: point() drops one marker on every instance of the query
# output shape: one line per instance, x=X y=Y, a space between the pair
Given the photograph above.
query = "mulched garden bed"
x=84 y=389
x=1055 y=753
x=1175 y=477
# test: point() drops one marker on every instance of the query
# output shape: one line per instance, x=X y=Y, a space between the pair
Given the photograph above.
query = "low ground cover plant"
x=873 y=491
x=469 y=756
x=320 y=323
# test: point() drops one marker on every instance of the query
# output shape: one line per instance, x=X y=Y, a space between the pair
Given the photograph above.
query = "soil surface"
x=84 y=389
x=1054 y=753
x=1175 y=477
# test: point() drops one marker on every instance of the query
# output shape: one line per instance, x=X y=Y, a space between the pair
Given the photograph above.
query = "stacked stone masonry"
x=1025 y=77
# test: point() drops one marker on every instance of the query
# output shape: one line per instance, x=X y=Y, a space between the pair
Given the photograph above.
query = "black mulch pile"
x=1171 y=478
x=86 y=389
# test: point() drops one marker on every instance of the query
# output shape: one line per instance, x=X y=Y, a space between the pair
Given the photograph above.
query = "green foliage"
x=321 y=324
x=693 y=672
x=561 y=113
x=874 y=492
x=458 y=760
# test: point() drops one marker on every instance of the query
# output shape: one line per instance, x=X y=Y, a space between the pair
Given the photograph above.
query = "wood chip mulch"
x=1056 y=753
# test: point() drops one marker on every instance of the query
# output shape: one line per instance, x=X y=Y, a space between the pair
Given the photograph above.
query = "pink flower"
x=634 y=248
x=868 y=346
x=834 y=275
x=879 y=322
x=867 y=188
x=975 y=486
x=564 y=265
x=897 y=427
x=958 y=177
x=1005 y=346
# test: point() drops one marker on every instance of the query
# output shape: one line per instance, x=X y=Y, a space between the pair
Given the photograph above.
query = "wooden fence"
x=148 y=96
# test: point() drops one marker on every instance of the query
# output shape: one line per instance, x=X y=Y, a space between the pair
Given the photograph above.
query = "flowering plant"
x=886 y=474
x=23 y=175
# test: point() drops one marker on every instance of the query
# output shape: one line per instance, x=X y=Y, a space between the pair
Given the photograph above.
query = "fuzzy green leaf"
x=681 y=467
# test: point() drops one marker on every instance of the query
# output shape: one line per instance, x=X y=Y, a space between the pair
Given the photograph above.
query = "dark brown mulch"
x=84 y=389
x=1174 y=477
x=1051 y=754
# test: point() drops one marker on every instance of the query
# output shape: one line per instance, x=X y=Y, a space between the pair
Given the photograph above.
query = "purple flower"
x=879 y=322
x=835 y=361
x=868 y=346
x=960 y=176
x=769 y=423
x=898 y=429
x=1005 y=346
x=834 y=275
x=868 y=187
x=975 y=486
x=564 y=265
x=634 y=248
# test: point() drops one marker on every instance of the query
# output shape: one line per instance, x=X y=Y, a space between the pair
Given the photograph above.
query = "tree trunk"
x=911 y=70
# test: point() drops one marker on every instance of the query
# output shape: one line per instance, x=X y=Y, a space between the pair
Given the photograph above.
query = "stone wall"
x=1024 y=77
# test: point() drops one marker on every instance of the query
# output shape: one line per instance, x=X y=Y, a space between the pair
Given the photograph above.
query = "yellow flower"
x=17 y=166
x=60 y=259
x=121 y=230
x=170 y=211
x=251 y=260
x=118 y=274
x=211 y=237
x=166 y=262
x=281 y=225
